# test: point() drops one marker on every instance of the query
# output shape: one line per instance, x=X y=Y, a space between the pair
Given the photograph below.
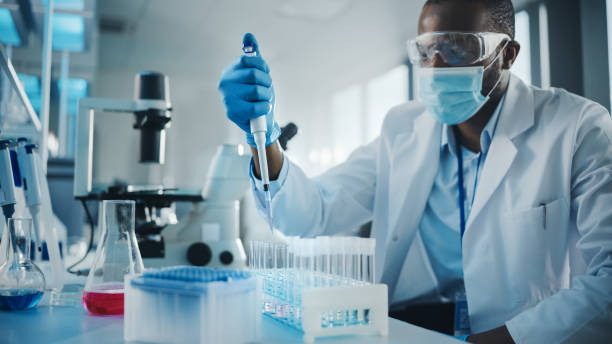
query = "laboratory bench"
x=73 y=324
x=45 y=324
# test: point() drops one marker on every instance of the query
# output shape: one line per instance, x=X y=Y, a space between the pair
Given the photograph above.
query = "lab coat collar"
x=516 y=117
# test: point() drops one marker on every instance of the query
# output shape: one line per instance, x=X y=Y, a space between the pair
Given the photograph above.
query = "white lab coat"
x=537 y=251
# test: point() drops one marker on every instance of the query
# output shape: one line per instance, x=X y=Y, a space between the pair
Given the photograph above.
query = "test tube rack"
x=322 y=286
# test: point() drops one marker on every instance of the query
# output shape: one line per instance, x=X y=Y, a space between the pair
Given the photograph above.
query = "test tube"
x=354 y=256
x=254 y=257
x=309 y=258
x=362 y=260
x=322 y=269
x=370 y=249
x=269 y=247
x=297 y=296
x=274 y=267
x=250 y=257
x=338 y=318
x=290 y=272
x=322 y=260
x=289 y=280
x=299 y=279
x=348 y=260
x=266 y=267
x=355 y=273
x=279 y=256
x=337 y=260
x=260 y=257
x=361 y=256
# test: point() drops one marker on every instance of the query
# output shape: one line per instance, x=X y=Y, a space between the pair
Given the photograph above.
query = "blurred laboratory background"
x=338 y=66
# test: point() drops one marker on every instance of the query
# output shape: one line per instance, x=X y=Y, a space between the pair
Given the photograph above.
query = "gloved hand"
x=246 y=87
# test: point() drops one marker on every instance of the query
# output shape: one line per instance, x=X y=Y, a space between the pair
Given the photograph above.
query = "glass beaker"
x=116 y=256
x=22 y=283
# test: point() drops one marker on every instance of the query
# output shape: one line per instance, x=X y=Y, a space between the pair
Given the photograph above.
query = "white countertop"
x=46 y=324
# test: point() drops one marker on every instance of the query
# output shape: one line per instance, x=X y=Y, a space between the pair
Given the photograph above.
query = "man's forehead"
x=454 y=16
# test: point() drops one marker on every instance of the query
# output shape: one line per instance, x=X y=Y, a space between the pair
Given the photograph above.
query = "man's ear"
x=510 y=53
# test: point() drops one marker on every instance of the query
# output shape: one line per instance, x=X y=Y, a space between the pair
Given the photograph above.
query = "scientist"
x=489 y=195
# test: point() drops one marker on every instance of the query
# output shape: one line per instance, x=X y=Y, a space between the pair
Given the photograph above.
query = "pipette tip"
x=269 y=208
x=270 y=220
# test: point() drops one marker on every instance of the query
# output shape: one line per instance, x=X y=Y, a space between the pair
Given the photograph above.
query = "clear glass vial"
x=22 y=283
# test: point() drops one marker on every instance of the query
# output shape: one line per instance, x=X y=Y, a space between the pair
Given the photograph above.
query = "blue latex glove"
x=246 y=87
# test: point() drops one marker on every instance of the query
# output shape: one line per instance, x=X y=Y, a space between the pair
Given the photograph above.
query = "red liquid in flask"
x=104 y=301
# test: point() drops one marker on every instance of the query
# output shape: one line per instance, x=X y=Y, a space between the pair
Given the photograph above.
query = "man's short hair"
x=501 y=13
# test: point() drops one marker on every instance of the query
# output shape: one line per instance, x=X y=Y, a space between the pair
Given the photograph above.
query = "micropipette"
x=259 y=129
x=30 y=190
x=7 y=185
x=39 y=204
x=7 y=193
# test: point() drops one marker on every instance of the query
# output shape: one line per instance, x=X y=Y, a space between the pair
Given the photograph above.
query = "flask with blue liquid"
x=22 y=283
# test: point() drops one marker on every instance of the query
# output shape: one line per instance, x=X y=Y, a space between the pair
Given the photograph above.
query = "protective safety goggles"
x=456 y=49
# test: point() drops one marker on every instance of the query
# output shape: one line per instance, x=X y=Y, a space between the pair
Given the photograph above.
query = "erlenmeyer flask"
x=116 y=256
x=21 y=282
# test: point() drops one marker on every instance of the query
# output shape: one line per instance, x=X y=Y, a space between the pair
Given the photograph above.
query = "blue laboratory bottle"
x=21 y=282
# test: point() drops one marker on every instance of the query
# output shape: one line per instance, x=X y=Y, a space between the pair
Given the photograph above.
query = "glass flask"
x=22 y=283
x=116 y=256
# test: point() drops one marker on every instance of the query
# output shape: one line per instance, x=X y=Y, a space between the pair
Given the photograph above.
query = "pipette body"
x=38 y=202
x=7 y=195
x=30 y=188
x=7 y=185
x=258 y=130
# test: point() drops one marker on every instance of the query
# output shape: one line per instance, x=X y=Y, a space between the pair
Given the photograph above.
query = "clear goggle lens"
x=454 y=48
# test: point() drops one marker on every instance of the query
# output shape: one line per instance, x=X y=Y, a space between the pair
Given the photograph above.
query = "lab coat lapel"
x=413 y=171
x=516 y=116
x=416 y=160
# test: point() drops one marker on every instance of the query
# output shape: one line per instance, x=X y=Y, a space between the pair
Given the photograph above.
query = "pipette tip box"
x=192 y=305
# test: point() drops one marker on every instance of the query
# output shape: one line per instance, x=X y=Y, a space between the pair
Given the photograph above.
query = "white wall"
x=197 y=127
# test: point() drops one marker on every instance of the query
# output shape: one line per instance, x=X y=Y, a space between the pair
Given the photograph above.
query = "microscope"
x=208 y=235
x=151 y=109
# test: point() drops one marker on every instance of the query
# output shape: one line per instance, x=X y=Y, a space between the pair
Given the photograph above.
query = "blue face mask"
x=452 y=94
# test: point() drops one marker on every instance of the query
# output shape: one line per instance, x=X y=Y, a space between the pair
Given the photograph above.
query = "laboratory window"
x=383 y=93
x=522 y=64
x=357 y=113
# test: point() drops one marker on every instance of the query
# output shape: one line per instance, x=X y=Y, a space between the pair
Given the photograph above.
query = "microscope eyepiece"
x=152 y=85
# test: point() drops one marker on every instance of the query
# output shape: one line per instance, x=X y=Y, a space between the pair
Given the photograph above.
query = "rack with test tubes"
x=323 y=286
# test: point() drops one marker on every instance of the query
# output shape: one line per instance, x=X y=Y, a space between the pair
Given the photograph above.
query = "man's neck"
x=469 y=132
